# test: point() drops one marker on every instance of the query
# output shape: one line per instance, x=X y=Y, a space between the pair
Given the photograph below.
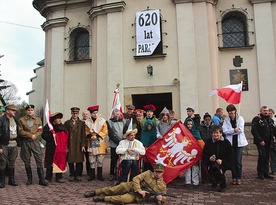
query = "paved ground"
x=252 y=190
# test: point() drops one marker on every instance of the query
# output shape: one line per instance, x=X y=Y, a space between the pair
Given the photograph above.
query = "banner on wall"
x=147 y=32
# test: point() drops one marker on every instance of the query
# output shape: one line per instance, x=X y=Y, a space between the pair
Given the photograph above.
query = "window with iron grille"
x=79 y=45
x=234 y=30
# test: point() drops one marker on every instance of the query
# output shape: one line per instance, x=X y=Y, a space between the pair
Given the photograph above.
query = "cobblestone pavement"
x=251 y=191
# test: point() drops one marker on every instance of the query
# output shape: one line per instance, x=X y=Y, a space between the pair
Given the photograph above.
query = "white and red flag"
x=116 y=105
x=230 y=93
x=177 y=150
x=48 y=115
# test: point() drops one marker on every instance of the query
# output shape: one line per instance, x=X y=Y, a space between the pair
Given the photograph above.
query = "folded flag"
x=230 y=93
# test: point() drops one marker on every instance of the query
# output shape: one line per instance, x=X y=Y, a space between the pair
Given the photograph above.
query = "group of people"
x=221 y=137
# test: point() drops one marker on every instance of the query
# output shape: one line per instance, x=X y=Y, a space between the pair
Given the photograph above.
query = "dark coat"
x=222 y=149
x=76 y=140
x=262 y=129
x=205 y=131
x=5 y=131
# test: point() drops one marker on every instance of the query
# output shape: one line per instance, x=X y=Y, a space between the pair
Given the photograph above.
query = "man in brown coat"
x=76 y=144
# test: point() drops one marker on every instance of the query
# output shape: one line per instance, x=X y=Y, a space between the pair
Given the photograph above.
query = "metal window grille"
x=234 y=30
x=79 y=45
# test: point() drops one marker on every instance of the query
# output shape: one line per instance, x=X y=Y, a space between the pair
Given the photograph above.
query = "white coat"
x=228 y=130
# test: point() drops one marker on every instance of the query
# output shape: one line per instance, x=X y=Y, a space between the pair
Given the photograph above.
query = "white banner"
x=147 y=32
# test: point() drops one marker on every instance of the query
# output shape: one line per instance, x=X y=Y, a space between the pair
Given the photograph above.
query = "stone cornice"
x=45 y=7
x=261 y=1
x=214 y=2
x=106 y=8
x=58 y=22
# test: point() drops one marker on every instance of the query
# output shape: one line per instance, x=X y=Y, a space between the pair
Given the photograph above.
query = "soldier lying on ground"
x=129 y=192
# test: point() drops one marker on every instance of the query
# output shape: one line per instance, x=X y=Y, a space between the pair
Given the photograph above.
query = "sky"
x=21 y=42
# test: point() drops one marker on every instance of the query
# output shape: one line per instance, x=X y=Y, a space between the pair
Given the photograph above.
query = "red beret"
x=93 y=108
x=149 y=107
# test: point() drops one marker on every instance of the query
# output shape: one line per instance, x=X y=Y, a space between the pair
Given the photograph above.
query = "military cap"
x=93 y=108
x=158 y=167
x=56 y=115
x=10 y=107
x=130 y=107
x=75 y=110
x=29 y=106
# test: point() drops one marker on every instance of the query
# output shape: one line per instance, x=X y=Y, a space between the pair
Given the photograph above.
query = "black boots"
x=90 y=194
x=42 y=181
x=2 y=178
x=29 y=175
x=98 y=198
x=91 y=175
x=11 y=177
x=100 y=174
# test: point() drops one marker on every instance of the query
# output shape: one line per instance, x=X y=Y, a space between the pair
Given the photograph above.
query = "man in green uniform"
x=135 y=190
x=30 y=128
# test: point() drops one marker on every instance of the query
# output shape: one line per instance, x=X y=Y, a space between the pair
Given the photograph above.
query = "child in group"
x=192 y=173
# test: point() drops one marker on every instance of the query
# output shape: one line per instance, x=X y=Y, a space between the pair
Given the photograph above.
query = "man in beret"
x=135 y=190
x=96 y=132
x=76 y=144
x=30 y=128
x=8 y=144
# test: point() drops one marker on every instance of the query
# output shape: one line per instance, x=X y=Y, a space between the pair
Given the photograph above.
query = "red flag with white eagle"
x=177 y=150
x=230 y=93
x=116 y=105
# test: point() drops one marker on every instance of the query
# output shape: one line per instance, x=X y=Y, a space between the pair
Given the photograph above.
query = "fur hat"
x=56 y=115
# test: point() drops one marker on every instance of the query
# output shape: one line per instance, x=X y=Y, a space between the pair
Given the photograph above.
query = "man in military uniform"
x=135 y=190
x=76 y=144
x=30 y=128
x=8 y=144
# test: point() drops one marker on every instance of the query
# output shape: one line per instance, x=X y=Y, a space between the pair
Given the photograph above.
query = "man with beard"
x=263 y=131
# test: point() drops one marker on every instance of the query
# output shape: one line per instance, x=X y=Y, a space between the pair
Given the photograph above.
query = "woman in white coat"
x=233 y=128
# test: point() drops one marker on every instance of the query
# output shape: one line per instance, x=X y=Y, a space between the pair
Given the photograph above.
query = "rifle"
x=158 y=193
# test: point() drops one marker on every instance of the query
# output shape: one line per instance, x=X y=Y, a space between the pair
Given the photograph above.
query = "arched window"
x=79 y=45
x=234 y=30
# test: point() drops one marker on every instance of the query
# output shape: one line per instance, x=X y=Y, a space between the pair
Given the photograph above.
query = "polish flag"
x=116 y=103
x=230 y=93
x=48 y=115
